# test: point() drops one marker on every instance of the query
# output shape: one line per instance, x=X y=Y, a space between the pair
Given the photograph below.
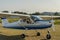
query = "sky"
x=30 y=6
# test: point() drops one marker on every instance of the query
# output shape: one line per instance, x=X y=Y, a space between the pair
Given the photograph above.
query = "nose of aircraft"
x=51 y=22
x=53 y=26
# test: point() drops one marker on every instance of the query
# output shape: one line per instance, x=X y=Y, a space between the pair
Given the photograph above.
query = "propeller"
x=52 y=21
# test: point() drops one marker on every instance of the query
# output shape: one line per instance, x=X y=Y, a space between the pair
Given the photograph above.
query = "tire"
x=48 y=36
x=38 y=34
x=22 y=35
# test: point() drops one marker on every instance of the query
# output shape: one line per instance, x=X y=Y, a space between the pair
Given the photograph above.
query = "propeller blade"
x=53 y=26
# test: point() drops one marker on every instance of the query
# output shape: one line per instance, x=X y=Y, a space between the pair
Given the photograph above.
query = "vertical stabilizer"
x=4 y=21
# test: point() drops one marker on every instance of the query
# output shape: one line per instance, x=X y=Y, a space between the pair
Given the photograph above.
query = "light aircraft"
x=27 y=22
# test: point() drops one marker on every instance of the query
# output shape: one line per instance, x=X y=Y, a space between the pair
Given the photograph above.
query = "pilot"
x=24 y=20
x=28 y=21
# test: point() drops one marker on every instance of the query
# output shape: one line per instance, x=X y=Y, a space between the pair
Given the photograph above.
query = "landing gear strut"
x=48 y=36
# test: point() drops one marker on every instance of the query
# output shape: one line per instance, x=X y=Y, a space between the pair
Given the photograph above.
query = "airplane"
x=28 y=22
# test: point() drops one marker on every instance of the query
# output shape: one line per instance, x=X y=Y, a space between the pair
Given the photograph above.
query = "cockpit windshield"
x=36 y=18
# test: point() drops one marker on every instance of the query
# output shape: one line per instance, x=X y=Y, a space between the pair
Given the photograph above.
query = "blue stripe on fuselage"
x=31 y=27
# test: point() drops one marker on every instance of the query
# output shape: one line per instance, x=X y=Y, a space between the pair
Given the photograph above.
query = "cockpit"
x=25 y=20
x=36 y=18
x=31 y=19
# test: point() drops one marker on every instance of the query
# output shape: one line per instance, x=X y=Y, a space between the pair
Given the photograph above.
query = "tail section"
x=4 y=21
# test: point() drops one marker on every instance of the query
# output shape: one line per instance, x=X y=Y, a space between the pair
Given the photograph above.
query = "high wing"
x=49 y=16
x=21 y=15
x=13 y=15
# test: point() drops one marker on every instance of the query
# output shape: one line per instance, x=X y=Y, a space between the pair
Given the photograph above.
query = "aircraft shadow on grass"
x=14 y=37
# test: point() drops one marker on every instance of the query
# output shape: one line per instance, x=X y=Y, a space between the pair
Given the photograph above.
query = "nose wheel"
x=48 y=36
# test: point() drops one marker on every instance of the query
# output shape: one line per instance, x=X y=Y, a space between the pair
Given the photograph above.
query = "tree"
x=5 y=11
x=36 y=13
x=17 y=12
x=56 y=13
x=24 y=13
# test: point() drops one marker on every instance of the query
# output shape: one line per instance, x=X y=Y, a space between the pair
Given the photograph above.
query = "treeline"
x=36 y=13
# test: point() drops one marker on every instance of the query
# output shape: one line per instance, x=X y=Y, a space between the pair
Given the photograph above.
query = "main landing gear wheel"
x=48 y=36
x=38 y=34
x=22 y=35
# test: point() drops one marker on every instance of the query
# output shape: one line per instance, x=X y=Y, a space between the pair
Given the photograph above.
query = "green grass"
x=0 y=20
x=10 y=20
x=13 y=20
x=57 y=21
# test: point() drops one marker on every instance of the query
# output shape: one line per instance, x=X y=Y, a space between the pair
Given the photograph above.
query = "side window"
x=21 y=20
